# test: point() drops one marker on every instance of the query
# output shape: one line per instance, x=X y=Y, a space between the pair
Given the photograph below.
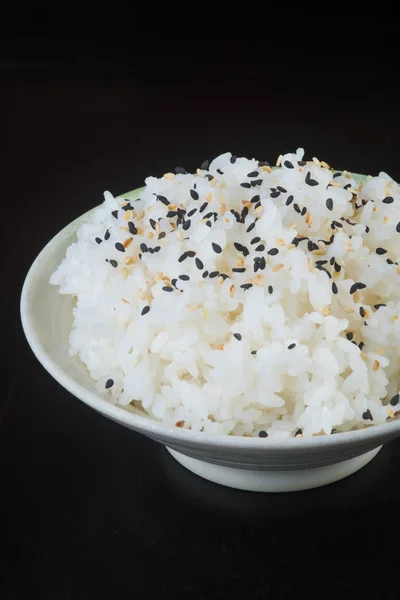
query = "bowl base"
x=274 y=481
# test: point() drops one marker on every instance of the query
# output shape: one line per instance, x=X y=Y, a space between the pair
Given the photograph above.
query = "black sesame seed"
x=262 y=434
x=132 y=228
x=395 y=400
x=204 y=165
x=255 y=199
x=262 y=264
x=332 y=260
x=183 y=257
x=345 y=187
x=115 y=214
x=220 y=172
x=334 y=288
x=237 y=336
x=151 y=250
x=362 y=311
x=205 y=274
x=398 y=227
x=199 y=263
x=349 y=336
x=233 y=159
x=210 y=177
x=291 y=346
x=238 y=246
x=380 y=251
x=354 y=288
x=388 y=200
x=203 y=207
x=260 y=248
x=257 y=205
x=321 y=262
x=157 y=248
x=297 y=208
x=295 y=242
x=361 y=286
x=367 y=415
x=289 y=200
x=270 y=289
x=250 y=227
x=163 y=199
x=107 y=235
x=238 y=270
x=337 y=174
x=288 y=164
x=253 y=174
x=273 y=251
x=298 y=432
x=378 y=306
x=145 y=310
x=173 y=281
x=256 y=182
x=109 y=384
x=255 y=240
x=184 y=277
x=171 y=214
x=113 y=263
x=191 y=212
x=253 y=352
x=282 y=189
x=98 y=240
x=194 y=194
x=338 y=268
x=119 y=247
x=127 y=206
x=246 y=184
x=214 y=274
x=389 y=261
x=246 y=286
x=309 y=181
x=312 y=246
x=180 y=171
x=167 y=288
x=329 y=204
x=208 y=223
x=152 y=223
x=162 y=235
x=361 y=344
x=337 y=224
x=186 y=225
x=275 y=194
x=143 y=247
x=303 y=212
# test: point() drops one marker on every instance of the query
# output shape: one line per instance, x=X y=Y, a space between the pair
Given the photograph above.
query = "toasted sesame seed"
x=291 y=346
x=109 y=383
x=237 y=336
x=277 y=267
x=231 y=290
x=334 y=288
x=381 y=251
x=325 y=311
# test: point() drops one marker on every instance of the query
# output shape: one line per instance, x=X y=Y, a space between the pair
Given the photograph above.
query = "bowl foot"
x=274 y=481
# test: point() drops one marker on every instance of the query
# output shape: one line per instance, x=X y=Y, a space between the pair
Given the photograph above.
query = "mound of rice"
x=242 y=299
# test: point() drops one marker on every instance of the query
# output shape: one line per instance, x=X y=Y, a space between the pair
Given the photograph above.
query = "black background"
x=96 y=101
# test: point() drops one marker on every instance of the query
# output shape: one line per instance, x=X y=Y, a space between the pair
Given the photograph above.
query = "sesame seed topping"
x=255 y=240
x=380 y=251
x=217 y=248
x=377 y=306
x=288 y=164
x=180 y=171
x=246 y=184
x=388 y=200
x=329 y=204
x=309 y=181
x=109 y=383
x=291 y=346
x=334 y=288
x=194 y=194
x=349 y=336
x=163 y=199
x=362 y=311
x=395 y=400
x=184 y=277
x=205 y=274
x=367 y=415
x=252 y=225
x=237 y=336
x=246 y=286
x=119 y=247
x=289 y=200
x=145 y=310
x=262 y=434
x=214 y=274
x=167 y=288
x=272 y=252
x=238 y=270
x=253 y=174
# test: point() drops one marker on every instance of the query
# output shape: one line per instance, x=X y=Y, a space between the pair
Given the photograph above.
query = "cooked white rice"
x=244 y=300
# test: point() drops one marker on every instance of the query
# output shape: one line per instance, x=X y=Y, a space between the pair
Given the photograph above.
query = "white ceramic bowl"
x=256 y=464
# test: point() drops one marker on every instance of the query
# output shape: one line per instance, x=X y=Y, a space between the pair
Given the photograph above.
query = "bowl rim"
x=149 y=426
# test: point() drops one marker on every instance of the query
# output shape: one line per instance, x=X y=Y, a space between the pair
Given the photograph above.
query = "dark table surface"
x=88 y=509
